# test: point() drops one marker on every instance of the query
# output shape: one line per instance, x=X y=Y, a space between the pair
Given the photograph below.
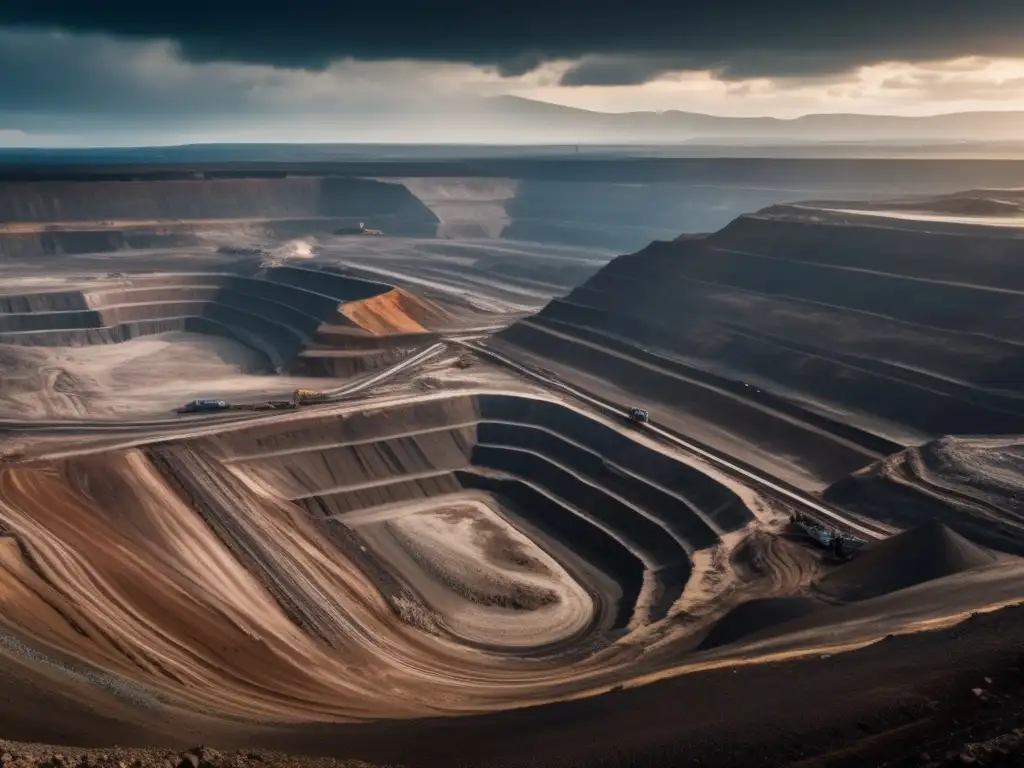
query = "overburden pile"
x=927 y=552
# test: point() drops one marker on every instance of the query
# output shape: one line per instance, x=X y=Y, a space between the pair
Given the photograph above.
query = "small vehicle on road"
x=638 y=415
x=204 y=406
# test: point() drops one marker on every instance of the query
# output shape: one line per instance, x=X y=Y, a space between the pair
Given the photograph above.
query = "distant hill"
x=511 y=126
x=674 y=125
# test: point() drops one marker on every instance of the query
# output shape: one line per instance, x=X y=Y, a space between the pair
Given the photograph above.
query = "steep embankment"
x=581 y=203
x=278 y=314
x=282 y=197
x=830 y=337
x=927 y=552
x=757 y=615
x=616 y=203
x=972 y=485
x=52 y=217
x=395 y=311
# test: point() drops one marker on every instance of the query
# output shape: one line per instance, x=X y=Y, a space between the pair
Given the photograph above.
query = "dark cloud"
x=95 y=87
x=521 y=64
x=621 y=42
x=89 y=74
x=622 y=70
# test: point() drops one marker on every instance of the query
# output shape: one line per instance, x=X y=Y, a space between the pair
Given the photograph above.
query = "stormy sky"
x=133 y=72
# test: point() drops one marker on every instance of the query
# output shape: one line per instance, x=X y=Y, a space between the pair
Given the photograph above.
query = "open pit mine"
x=446 y=496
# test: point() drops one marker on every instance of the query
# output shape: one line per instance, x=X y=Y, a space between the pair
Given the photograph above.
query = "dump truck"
x=204 y=406
x=842 y=545
x=308 y=396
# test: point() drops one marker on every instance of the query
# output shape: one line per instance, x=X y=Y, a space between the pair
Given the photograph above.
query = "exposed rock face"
x=859 y=331
x=971 y=484
x=54 y=217
x=114 y=202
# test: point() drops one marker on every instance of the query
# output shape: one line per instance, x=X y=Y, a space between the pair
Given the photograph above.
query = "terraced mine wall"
x=278 y=315
x=721 y=509
x=343 y=365
x=932 y=249
x=616 y=204
x=620 y=216
x=635 y=514
x=71 y=217
x=589 y=205
x=557 y=519
x=29 y=245
x=971 y=485
x=857 y=339
x=347 y=337
x=198 y=199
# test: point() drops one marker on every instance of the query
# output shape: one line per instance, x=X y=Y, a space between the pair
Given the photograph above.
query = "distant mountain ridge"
x=503 y=126
x=674 y=125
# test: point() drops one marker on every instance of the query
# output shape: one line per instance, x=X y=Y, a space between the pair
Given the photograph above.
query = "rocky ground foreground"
x=17 y=755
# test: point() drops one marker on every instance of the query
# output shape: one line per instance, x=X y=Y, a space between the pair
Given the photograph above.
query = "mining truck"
x=842 y=545
x=638 y=416
x=308 y=396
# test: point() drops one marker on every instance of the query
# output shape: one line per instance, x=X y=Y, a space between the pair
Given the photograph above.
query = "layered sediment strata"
x=637 y=514
x=439 y=545
x=832 y=337
x=971 y=484
x=96 y=216
x=279 y=314
x=437 y=555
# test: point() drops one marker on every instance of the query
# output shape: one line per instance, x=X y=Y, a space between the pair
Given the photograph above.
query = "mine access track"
x=806 y=504
x=169 y=427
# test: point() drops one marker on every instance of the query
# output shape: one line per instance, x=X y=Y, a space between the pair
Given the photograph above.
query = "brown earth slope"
x=396 y=311
x=281 y=571
x=930 y=551
x=342 y=583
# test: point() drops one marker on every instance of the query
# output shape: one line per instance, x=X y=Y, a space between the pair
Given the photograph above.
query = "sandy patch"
x=147 y=375
x=486 y=581
x=395 y=311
